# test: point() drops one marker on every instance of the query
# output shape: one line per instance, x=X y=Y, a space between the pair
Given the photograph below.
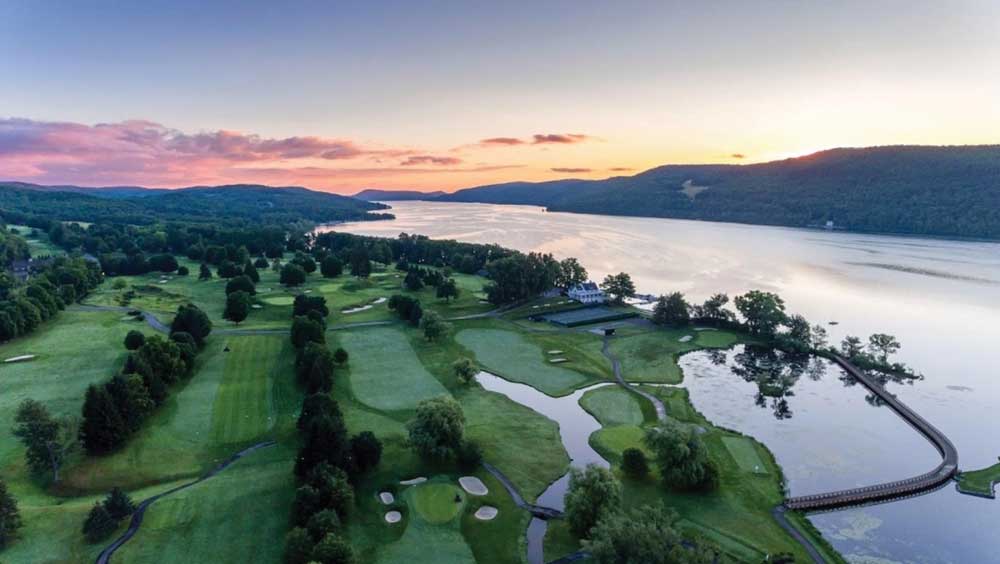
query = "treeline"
x=234 y=206
x=329 y=460
x=116 y=409
x=920 y=190
x=24 y=306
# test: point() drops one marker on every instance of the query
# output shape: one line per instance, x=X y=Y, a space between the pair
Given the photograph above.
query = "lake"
x=941 y=298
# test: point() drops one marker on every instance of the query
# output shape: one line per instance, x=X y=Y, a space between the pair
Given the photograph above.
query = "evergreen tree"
x=366 y=451
x=118 y=504
x=99 y=524
x=250 y=271
x=237 y=306
x=103 y=429
x=134 y=339
x=10 y=517
x=204 y=273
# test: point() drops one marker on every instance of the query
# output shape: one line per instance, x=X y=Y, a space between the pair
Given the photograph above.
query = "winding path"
x=542 y=512
x=105 y=556
x=889 y=490
x=616 y=366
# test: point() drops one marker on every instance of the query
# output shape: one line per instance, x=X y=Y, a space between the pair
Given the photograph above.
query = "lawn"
x=386 y=373
x=39 y=245
x=613 y=405
x=240 y=515
x=980 y=482
x=76 y=349
x=234 y=399
x=652 y=356
x=435 y=502
x=513 y=356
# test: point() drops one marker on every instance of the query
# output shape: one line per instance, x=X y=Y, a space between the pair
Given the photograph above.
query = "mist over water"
x=941 y=298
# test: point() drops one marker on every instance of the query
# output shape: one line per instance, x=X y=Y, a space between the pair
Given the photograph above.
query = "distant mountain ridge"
x=228 y=204
x=378 y=195
x=951 y=191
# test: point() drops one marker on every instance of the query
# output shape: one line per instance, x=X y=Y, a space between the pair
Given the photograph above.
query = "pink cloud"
x=569 y=169
x=562 y=138
x=501 y=141
x=430 y=159
x=620 y=169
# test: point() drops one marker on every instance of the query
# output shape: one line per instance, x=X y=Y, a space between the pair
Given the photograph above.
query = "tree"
x=228 y=269
x=183 y=271
x=465 y=370
x=366 y=451
x=292 y=275
x=763 y=312
x=333 y=549
x=325 y=441
x=305 y=330
x=47 y=441
x=99 y=524
x=447 y=289
x=298 y=546
x=331 y=267
x=438 y=427
x=204 y=273
x=634 y=463
x=571 y=273
x=361 y=265
x=881 y=346
x=644 y=536
x=10 y=516
x=469 y=456
x=303 y=304
x=118 y=504
x=134 y=339
x=103 y=429
x=237 y=306
x=323 y=523
x=261 y=262
x=241 y=283
x=250 y=271
x=317 y=405
x=681 y=456
x=413 y=281
x=433 y=325
x=618 y=286
x=798 y=335
x=340 y=356
x=671 y=310
x=333 y=489
x=190 y=319
x=593 y=492
x=851 y=347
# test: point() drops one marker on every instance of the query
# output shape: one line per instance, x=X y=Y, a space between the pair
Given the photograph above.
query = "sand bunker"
x=685 y=338
x=486 y=513
x=393 y=517
x=21 y=358
x=386 y=498
x=555 y=352
x=473 y=485
x=558 y=360
x=356 y=309
x=413 y=481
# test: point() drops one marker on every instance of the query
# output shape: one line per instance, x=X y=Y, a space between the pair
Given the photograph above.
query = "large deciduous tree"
x=681 y=456
x=618 y=286
x=438 y=427
x=10 y=516
x=47 y=441
x=763 y=312
x=593 y=493
x=672 y=310
x=644 y=536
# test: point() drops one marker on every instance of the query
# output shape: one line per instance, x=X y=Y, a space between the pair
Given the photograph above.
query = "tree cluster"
x=116 y=409
x=104 y=518
x=23 y=307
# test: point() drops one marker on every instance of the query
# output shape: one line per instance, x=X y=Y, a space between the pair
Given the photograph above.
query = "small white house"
x=587 y=293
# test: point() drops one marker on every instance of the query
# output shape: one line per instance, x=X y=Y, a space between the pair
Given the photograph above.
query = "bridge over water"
x=889 y=490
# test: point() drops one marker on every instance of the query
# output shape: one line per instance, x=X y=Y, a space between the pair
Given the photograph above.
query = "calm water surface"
x=940 y=298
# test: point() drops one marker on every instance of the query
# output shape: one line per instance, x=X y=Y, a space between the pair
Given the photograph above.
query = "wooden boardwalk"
x=889 y=490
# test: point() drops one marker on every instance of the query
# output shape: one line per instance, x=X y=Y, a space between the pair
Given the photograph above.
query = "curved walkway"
x=616 y=366
x=140 y=511
x=544 y=513
x=889 y=490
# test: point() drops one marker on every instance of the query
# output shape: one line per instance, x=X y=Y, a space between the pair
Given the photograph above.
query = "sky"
x=427 y=95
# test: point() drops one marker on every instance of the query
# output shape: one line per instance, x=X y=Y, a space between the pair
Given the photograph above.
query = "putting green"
x=279 y=300
x=611 y=442
x=385 y=371
x=435 y=502
x=425 y=541
x=745 y=454
x=512 y=356
x=612 y=405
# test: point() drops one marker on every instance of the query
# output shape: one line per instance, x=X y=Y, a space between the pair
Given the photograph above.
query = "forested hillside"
x=942 y=191
x=231 y=205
